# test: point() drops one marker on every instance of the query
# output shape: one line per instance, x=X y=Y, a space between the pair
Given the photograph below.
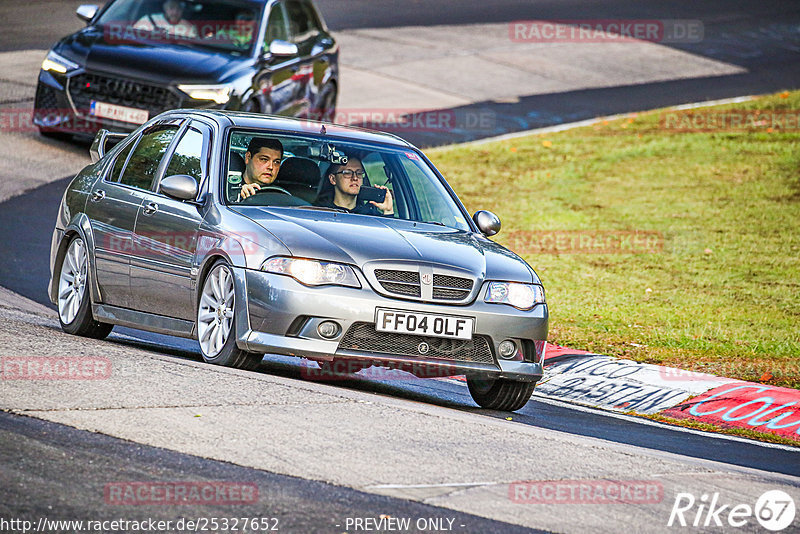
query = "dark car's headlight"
x=58 y=63
x=218 y=93
x=522 y=296
x=313 y=272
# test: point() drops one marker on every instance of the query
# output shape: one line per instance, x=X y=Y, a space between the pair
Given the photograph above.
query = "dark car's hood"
x=358 y=239
x=162 y=63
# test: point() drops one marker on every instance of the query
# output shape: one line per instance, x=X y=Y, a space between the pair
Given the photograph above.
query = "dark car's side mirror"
x=280 y=48
x=487 y=222
x=179 y=186
x=86 y=12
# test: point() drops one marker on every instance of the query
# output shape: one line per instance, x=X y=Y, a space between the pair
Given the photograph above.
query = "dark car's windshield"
x=328 y=174
x=222 y=25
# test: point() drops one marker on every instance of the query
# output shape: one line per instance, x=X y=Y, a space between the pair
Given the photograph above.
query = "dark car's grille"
x=86 y=87
x=364 y=337
x=407 y=283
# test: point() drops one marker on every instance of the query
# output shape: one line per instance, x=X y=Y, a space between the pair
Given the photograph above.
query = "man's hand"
x=248 y=190
x=387 y=206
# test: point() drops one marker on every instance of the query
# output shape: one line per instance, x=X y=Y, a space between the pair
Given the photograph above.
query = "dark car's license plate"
x=424 y=324
x=120 y=113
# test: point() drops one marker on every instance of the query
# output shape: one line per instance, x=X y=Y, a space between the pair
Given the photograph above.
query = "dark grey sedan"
x=257 y=234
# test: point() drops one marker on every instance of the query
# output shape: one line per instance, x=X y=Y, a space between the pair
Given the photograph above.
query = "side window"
x=188 y=156
x=276 y=26
x=431 y=197
x=313 y=19
x=143 y=163
x=119 y=163
x=299 y=22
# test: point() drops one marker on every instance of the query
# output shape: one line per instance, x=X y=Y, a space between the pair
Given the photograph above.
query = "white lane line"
x=451 y=485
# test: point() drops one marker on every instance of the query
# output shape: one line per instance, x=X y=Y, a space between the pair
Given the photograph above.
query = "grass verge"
x=720 y=294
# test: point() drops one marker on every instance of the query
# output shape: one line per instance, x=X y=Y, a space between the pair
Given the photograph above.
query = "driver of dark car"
x=171 y=21
x=347 y=181
x=262 y=162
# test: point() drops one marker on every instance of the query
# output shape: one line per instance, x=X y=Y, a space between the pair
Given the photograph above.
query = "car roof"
x=240 y=119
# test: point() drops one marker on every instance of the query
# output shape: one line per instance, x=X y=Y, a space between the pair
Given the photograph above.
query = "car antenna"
x=322 y=130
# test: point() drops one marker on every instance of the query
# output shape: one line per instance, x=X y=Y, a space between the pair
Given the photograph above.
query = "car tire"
x=500 y=393
x=216 y=321
x=74 y=304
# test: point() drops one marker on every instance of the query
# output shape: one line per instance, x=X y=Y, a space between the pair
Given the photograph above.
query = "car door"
x=275 y=81
x=165 y=235
x=112 y=209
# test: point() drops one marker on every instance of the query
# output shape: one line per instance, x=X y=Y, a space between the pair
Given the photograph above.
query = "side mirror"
x=180 y=186
x=280 y=48
x=487 y=222
x=86 y=12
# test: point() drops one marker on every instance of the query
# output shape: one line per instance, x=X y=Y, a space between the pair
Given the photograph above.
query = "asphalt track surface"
x=35 y=450
x=26 y=271
x=54 y=460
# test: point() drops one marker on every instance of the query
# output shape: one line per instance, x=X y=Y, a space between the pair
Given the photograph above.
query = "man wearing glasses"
x=347 y=180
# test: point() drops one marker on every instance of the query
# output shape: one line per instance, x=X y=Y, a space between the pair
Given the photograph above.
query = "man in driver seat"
x=262 y=162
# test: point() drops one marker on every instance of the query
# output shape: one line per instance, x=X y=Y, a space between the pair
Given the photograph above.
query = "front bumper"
x=278 y=315
x=62 y=101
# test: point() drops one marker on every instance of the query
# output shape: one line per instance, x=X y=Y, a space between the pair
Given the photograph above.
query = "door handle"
x=98 y=195
x=150 y=208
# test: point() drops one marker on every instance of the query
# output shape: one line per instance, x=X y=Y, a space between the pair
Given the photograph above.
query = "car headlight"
x=57 y=63
x=218 y=93
x=313 y=272
x=522 y=296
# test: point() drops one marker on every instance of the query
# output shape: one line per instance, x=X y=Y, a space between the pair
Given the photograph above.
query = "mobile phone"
x=368 y=193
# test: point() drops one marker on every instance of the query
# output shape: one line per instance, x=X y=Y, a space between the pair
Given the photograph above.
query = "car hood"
x=160 y=63
x=360 y=239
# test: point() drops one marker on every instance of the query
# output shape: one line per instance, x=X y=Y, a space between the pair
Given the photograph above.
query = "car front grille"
x=407 y=284
x=450 y=287
x=87 y=86
x=404 y=283
x=363 y=337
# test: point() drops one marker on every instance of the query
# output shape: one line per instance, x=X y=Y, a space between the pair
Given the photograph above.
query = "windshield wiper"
x=320 y=208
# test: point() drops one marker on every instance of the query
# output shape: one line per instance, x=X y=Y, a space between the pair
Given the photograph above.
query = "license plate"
x=119 y=113
x=424 y=324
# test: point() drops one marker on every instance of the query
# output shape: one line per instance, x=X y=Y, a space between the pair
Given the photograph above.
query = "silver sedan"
x=257 y=234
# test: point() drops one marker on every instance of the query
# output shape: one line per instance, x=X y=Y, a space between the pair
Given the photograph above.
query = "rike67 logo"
x=774 y=510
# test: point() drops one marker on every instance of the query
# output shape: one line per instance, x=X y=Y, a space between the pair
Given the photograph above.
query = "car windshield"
x=219 y=25
x=331 y=174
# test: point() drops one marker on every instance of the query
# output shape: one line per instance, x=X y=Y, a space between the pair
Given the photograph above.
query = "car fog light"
x=508 y=349
x=328 y=329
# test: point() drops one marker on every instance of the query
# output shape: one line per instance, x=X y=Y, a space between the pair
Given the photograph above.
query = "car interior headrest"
x=299 y=171
x=237 y=163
